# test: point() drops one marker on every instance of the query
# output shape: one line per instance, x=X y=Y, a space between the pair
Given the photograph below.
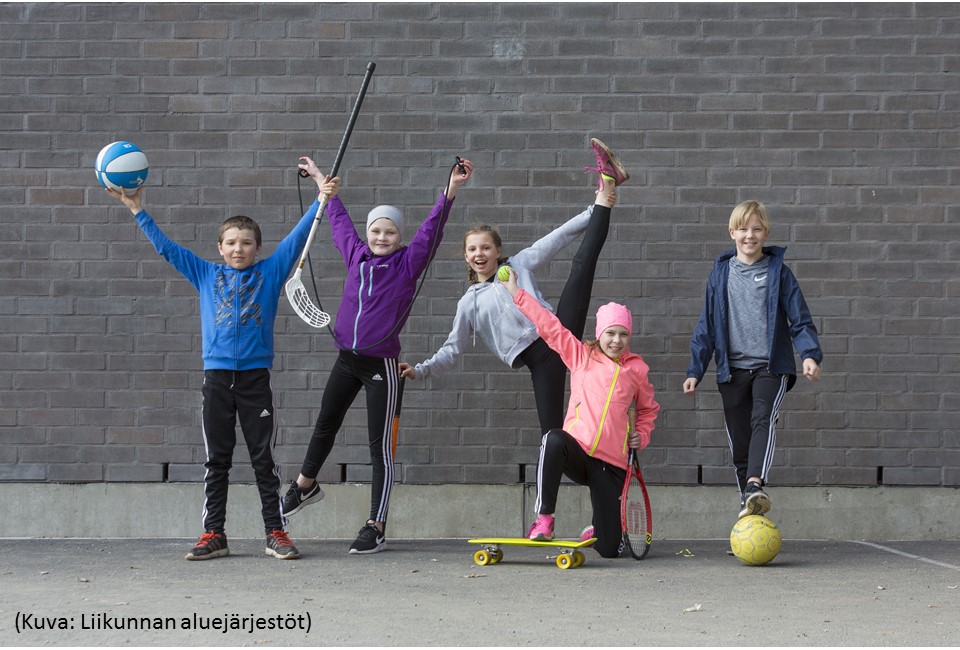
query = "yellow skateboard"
x=570 y=554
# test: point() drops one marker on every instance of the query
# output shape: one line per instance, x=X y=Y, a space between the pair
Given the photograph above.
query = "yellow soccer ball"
x=755 y=540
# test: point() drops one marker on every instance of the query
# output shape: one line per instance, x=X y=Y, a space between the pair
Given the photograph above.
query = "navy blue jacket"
x=788 y=320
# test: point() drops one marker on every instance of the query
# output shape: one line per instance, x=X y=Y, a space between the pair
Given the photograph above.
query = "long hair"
x=593 y=347
x=497 y=241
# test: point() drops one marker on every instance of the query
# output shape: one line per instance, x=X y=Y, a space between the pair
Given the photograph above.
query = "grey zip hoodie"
x=487 y=308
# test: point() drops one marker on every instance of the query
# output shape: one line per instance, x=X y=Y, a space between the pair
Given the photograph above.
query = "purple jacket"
x=378 y=291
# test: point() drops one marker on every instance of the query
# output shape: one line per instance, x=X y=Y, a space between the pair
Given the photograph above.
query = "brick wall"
x=842 y=117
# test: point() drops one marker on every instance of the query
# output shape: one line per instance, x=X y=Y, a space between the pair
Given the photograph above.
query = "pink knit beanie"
x=612 y=314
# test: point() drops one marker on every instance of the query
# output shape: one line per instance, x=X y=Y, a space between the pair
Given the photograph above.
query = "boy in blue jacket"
x=753 y=310
x=238 y=306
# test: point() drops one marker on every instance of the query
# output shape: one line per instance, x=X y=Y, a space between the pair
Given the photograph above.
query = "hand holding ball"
x=121 y=166
x=503 y=273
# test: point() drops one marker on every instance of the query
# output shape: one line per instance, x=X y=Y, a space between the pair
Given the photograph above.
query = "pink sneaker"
x=542 y=529
x=587 y=533
x=607 y=164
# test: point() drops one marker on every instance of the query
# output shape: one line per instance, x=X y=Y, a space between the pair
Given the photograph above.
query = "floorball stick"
x=296 y=292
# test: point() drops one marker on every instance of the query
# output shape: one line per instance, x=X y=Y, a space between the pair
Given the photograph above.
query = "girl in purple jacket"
x=378 y=291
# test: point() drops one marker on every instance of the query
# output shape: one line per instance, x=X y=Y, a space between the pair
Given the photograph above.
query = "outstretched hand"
x=132 y=201
x=460 y=174
x=406 y=370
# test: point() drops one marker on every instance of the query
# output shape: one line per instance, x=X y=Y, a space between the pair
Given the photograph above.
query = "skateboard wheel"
x=497 y=556
x=578 y=558
x=481 y=557
x=564 y=561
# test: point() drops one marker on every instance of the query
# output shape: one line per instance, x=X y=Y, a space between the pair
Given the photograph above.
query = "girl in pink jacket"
x=611 y=410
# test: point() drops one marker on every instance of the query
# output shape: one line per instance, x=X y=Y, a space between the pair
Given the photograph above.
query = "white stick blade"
x=301 y=303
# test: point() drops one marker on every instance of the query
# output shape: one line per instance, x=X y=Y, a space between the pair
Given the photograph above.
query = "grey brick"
x=855 y=154
x=912 y=476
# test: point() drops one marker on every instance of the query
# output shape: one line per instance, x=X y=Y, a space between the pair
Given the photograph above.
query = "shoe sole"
x=613 y=161
x=381 y=547
x=316 y=497
x=289 y=556
x=541 y=538
x=223 y=552
x=756 y=504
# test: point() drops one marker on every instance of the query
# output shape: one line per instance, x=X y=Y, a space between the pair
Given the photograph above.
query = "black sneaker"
x=210 y=545
x=369 y=540
x=295 y=499
x=755 y=501
x=280 y=546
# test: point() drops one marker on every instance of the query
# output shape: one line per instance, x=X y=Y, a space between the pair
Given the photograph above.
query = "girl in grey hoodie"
x=487 y=309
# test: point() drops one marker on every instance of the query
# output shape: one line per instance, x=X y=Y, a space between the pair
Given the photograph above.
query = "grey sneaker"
x=755 y=501
x=210 y=545
x=295 y=499
x=280 y=546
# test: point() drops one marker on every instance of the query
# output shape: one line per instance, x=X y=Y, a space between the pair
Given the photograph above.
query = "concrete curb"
x=172 y=510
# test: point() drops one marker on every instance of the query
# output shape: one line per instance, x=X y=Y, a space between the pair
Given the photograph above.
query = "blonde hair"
x=742 y=213
x=593 y=347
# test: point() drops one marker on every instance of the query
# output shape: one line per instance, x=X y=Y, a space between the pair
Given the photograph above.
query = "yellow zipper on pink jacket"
x=606 y=408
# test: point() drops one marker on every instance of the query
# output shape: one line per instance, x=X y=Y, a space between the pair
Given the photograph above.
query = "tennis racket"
x=635 y=520
x=395 y=426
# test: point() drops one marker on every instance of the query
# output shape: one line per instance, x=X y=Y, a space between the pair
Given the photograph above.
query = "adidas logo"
x=265 y=413
x=377 y=377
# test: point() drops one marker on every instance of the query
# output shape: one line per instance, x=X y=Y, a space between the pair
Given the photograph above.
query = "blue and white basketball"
x=121 y=166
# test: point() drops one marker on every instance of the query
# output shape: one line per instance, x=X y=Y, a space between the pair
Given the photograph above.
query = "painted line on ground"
x=909 y=555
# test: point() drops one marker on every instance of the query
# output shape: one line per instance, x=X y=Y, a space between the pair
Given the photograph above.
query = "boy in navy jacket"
x=238 y=306
x=752 y=312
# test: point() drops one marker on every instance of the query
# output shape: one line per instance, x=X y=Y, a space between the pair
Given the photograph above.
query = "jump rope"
x=458 y=167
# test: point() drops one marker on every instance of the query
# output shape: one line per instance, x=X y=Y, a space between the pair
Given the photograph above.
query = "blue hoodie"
x=237 y=308
x=788 y=320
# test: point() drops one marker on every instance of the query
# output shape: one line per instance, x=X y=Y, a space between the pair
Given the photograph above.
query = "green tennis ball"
x=503 y=273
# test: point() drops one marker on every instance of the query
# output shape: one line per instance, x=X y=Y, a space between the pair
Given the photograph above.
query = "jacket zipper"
x=236 y=319
x=356 y=322
x=606 y=407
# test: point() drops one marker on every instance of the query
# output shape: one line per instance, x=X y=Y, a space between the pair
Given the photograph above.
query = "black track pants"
x=246 y=395
x=380 y=382
x=547 y=371
x=751 y=406
x=560 y=454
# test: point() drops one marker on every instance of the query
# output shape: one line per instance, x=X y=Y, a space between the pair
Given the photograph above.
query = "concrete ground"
x=430 y=593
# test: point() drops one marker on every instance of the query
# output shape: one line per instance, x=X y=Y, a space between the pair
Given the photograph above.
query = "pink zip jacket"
x=603 y=392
